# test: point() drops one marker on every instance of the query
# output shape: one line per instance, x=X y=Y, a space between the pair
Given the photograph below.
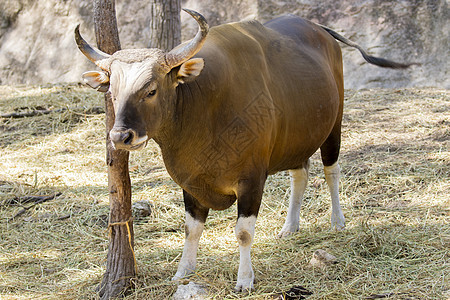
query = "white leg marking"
x=299 y=180
x=245 y=231
x=194 y=229
x=332 y=178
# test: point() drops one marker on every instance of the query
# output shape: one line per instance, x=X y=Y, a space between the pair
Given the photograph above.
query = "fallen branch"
x=37 y=200
x=29 y=199
x=37 y=112
x=32 y=113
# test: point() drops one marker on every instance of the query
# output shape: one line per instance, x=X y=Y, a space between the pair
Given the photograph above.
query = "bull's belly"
x=212 y=189
x=291 y=160
x=293 y=148
x=302 y=130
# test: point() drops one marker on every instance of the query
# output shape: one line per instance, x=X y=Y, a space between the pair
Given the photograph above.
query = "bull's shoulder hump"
x=252 y=28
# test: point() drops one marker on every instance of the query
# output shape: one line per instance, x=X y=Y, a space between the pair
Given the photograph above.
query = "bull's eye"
x=151 y=93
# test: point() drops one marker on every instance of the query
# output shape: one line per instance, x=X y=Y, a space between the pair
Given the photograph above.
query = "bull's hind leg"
x=195 y=220
x=299 y=180
x=332 y=174
x=330 y=154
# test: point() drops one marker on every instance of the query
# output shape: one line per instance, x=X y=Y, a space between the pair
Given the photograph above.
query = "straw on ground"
x=395 y=193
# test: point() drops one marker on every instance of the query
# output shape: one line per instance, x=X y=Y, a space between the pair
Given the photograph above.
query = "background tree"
x=165 y=24
x=121 y=263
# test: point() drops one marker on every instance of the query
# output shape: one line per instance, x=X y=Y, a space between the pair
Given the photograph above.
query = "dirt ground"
x=395 y=193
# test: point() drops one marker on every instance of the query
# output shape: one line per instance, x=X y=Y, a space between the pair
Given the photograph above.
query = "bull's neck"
x=183 y=119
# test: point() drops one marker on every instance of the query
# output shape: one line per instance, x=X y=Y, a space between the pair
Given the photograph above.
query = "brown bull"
x=228 y=108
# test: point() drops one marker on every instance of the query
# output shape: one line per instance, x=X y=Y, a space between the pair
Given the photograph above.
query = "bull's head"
x=141 y=81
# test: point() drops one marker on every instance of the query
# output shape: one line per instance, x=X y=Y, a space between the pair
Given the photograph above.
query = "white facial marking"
x=332 y=178
x=299 y=180
x=245 y=231
x=194 y=229
x=128 y=79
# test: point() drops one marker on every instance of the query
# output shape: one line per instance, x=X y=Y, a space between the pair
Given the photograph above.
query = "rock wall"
x=37 y=45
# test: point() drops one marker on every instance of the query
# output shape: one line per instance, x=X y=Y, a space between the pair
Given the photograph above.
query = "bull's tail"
x=382 y=62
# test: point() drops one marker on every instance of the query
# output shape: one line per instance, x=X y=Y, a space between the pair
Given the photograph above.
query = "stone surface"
x=321 y=259
x=141 y=209
x=37 y=43
x=190 y=291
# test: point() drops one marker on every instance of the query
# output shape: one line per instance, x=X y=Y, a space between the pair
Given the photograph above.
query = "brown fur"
x=265 y=100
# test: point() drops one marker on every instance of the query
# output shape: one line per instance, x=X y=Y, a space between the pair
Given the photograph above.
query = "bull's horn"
x=91 y=53
x=178 y=55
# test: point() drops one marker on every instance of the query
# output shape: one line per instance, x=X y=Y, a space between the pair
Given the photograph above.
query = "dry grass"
x=395 y=193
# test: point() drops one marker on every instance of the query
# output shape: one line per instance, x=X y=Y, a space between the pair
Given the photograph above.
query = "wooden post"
x=166 y=34
x=120 y=265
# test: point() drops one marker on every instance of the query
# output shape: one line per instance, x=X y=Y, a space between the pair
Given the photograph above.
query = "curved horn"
x=177 y=56
x=91 y=53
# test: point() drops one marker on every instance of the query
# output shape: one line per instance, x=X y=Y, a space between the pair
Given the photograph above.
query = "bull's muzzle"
x=127 y=139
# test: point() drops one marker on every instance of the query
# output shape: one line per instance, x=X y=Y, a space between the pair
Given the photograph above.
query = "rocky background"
x=37 y=44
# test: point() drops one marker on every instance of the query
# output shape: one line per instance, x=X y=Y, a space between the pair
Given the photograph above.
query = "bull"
x=229 y=107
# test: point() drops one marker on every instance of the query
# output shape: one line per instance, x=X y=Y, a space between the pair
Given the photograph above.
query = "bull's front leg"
x=195 y=219
x=245 y=232
x=249 y=201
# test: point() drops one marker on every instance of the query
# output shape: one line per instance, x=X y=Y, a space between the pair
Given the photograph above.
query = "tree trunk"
x=166 y=34
x=120 y=265
x=165 y=24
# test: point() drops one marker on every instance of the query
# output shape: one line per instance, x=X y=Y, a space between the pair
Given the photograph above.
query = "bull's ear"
x=190 y=69
x=96 y=80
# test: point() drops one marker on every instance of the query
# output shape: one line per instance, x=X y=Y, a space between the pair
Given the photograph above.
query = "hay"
x=395 y=194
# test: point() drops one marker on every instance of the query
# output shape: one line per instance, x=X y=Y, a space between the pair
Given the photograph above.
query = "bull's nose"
x=127 y=139
x=122 y=137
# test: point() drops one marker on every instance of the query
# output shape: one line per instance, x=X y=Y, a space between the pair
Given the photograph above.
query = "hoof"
x=244 y=286
x=243 y=289
x=284 y=234
x=181 y=276
x=337 y=222
x=287 y=230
